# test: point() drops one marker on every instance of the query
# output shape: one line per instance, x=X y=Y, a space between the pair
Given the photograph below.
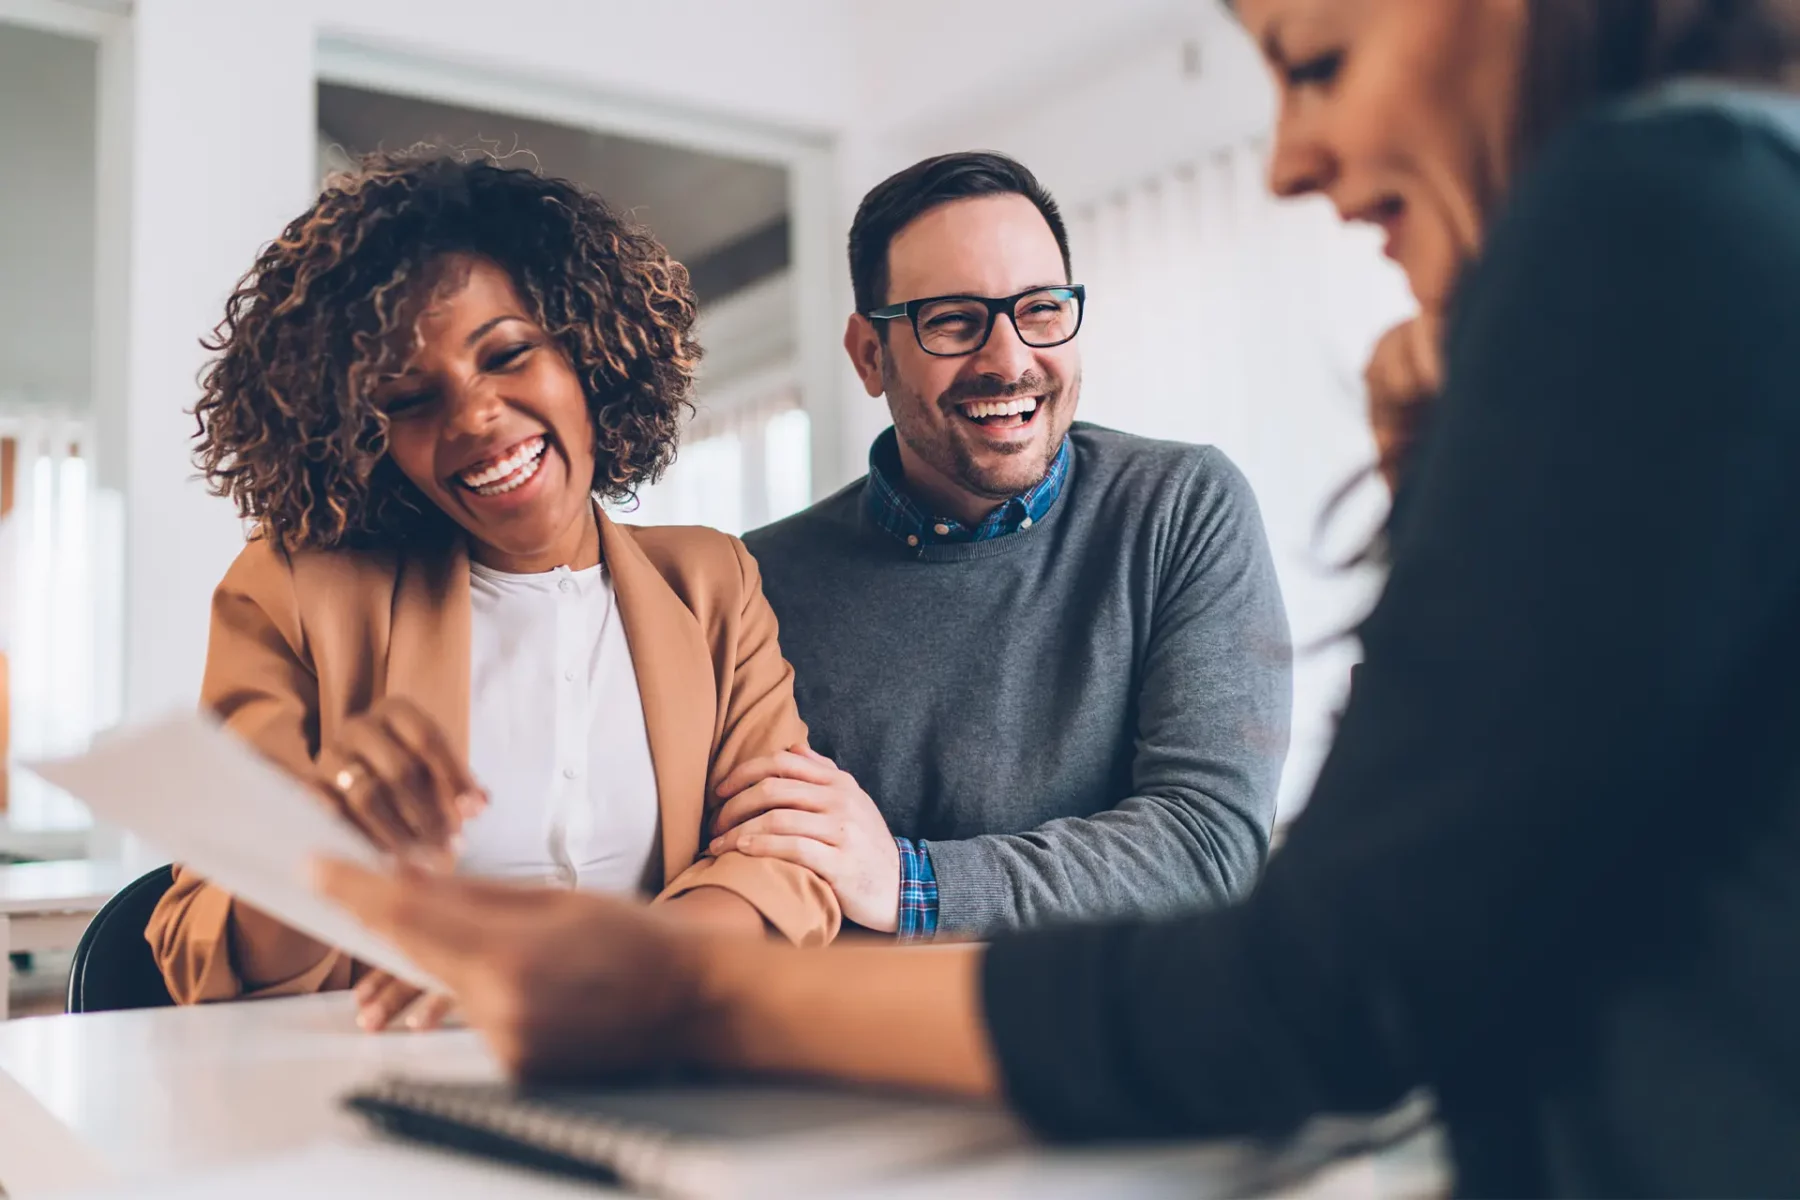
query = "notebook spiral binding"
x=634 y=1152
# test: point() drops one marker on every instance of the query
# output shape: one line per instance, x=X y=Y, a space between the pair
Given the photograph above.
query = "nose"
x=1004 y=355
x=474 y=408
x=1300 y=164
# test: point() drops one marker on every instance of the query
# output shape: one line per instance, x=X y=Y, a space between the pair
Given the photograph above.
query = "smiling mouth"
x=501 y=474
x=1000 y=414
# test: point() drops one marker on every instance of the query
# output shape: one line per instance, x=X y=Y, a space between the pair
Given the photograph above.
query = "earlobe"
x=863 y=344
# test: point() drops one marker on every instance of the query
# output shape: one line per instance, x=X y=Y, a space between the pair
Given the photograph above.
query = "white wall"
x=782 y=62
x=214 y=178
x=1186 y=84
x=47 y=155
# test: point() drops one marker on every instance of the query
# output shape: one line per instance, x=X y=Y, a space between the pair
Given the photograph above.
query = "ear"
x=862 y=342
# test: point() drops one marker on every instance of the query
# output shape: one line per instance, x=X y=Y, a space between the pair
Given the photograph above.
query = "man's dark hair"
x=901 y=199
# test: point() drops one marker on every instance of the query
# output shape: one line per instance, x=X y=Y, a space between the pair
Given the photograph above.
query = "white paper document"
x=205 y=797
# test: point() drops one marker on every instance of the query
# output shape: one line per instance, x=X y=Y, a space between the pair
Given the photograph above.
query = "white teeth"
x=506 y=485
x=1000 y=408
x=507 y=474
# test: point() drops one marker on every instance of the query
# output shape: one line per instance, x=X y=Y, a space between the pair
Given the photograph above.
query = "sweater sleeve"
x=1214 y=706
x=1588 y=622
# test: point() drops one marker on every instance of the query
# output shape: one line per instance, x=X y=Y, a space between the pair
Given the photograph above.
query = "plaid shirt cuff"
x=918 y=892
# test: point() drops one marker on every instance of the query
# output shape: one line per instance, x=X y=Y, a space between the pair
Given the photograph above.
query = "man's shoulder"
x=820 y=526
x=1135 y=469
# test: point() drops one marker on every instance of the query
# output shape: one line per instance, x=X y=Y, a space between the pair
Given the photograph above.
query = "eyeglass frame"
x=910 y=310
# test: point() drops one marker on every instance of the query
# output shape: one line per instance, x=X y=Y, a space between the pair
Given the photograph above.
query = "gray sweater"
x=1085 y=718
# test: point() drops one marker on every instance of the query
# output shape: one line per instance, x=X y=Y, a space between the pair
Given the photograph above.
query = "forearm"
x=1148 y=856
x=865 y=1014
x=718 y=909
x=210 y=947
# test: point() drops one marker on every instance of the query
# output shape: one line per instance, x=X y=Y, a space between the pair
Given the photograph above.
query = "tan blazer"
x=302 y=642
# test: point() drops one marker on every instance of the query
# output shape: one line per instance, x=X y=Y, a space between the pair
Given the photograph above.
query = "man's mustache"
x=988 y=388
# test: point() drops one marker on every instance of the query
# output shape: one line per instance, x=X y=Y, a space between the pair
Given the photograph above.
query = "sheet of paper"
x=202 y=795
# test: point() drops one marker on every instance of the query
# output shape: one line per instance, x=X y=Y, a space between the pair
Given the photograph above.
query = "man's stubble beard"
x=951 y=455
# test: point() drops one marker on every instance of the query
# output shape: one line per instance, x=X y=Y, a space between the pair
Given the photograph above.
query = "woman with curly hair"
x=421 y=393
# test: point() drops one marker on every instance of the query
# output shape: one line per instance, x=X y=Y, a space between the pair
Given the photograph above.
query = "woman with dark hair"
x=421 y=393
x=1551 y=869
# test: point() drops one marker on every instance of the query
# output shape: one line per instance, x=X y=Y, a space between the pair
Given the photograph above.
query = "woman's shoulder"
x=693 y=555
x=265 y=563
x=1671 y=154
x=1686 y=192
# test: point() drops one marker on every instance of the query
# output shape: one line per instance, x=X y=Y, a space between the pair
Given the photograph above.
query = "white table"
x=242 y=1100
x=46 y=906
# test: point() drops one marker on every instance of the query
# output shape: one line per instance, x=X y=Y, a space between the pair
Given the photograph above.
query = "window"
x=58 y=594
x=736 y=471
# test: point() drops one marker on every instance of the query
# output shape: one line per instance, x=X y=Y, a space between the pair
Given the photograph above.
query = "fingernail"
x=366 y=1019
x=715 y=844
x=470 y=804
x=416 y=1021
x=457 y=842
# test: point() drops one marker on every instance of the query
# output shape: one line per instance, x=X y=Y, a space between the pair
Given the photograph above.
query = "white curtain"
x=59 y=602
x=742 y=464
x=1219 y=315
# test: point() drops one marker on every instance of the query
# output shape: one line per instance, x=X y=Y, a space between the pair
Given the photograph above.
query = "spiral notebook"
x=723 y=1142
x=692 y=1142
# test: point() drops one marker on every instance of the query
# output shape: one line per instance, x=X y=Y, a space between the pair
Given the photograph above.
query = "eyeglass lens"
x=1044 y=318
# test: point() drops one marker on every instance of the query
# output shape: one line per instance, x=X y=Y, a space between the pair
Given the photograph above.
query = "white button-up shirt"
x=556 y=734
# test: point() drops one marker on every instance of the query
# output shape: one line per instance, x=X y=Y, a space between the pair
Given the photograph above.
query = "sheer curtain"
x=742 y=464
x=1219 y=315
x=59 y=581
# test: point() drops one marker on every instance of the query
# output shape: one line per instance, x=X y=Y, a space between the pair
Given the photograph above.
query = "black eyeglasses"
x=952 y=326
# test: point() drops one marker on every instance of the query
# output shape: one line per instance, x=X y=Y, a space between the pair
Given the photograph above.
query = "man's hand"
x=797 y=806
x=380 y=998
x=1404 y=377
x=560 y=982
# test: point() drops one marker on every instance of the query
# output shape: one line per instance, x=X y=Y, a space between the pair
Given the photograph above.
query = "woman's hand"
x=380 y=998
x=1404 y=377
x=561 y=982
x=567 y=983
x=393 y=774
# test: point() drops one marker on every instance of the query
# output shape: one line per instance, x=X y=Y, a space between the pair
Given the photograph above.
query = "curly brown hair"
x=288 y=425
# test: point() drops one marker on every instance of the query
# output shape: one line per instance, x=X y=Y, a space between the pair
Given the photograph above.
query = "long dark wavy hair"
x=288 y=425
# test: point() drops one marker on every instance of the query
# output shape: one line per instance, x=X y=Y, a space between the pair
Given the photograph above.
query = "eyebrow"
x=1271 y=41
x=482 y=330
x=1034 y=287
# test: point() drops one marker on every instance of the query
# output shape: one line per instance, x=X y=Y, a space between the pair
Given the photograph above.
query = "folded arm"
x=760 y=719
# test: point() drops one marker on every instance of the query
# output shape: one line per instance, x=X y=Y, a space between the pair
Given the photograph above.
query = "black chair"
x=113 y=966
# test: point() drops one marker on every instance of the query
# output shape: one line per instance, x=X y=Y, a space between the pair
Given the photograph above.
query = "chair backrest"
x=113 y=966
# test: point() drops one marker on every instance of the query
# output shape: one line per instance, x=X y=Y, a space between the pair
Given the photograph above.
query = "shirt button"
x=1025 y=524
x=941 y=530
x=569 y=676
x=912 y=539
x=569 y=772
x=567 y=585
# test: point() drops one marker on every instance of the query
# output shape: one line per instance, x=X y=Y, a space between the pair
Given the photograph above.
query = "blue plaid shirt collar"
x=896 y=512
